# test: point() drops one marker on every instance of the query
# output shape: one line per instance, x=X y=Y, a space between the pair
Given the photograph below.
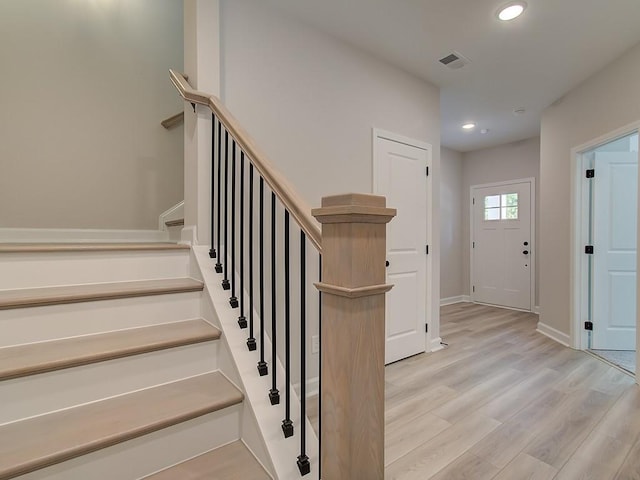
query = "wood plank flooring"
x=230 y=462
x=504 y=402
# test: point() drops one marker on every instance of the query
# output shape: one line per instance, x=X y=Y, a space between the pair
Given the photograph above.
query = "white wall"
x=603 y=103
x=510 y=161
x=83 y=90
x=451 y=239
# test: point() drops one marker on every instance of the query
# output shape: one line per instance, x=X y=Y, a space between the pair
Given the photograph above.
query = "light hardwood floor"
x=504 y=402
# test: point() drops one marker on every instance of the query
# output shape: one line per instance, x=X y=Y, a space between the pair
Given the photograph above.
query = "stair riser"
x=38 y=394
x=26 y=325
x=145 y=455
x=46 y=269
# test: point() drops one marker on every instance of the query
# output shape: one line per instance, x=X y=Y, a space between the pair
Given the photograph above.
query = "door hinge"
x=588 y=249
x=591 y=172
x=427 y=171
x=588 y=325
x=427 y=249
x=426 y=328
x=473 y=201
x=474 y=289
x=473 y=244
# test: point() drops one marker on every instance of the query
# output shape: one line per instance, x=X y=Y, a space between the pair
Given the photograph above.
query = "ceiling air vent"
x=454 y=60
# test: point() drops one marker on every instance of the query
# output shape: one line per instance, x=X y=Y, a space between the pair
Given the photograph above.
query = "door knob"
x=526 y=252
x=526 y=243
x=386 y=264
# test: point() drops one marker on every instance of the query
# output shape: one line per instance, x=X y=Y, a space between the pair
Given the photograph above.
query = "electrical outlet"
x=315 y=344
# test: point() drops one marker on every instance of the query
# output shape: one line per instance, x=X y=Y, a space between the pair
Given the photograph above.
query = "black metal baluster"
x=287 y=424
x=262 y=365
x=242 y=320
x=251 y=341
x=218 y=266
x=225 y=281
x=212 y=250
x=303 y=460
x=274 y=394
x=233 y=301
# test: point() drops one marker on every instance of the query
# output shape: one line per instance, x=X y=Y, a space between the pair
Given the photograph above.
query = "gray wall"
x=511 y=161
x=460 y=171
x=83 y=90
x=310 y=101
x=603 y=103
x=451 y=239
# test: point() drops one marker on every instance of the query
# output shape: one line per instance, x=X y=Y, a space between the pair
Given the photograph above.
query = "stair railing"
x=351 y=287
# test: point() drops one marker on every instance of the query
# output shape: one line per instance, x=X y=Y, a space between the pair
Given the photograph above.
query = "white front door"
x=401 y=176
x=615 y=191
x=502 y=247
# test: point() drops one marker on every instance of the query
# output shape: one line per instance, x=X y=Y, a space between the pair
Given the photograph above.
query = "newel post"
x=353 y=335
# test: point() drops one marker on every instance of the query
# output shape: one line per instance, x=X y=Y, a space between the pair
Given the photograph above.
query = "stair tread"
x=175 y=223
x=230 y=462
x=35 y=443
x=31 y=297
x=21 y=360
x=88 y=247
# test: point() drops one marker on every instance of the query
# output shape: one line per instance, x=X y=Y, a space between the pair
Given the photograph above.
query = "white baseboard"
x=189 y=235
x=553 y=334
x=76 y=235
x=453 y=300
x=174 y=213
x=536 y=309
x=435 y=345
x=313 y=387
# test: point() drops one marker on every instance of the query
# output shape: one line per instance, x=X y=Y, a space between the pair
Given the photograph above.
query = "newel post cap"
x=354 y=208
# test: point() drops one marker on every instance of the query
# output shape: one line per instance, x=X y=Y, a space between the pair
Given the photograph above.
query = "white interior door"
x=401 y=177
x=615 y=191
x=501 y=250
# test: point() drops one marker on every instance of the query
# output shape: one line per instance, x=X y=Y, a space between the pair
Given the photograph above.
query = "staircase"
x=109 y=371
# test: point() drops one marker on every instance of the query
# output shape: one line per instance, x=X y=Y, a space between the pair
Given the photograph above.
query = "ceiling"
x=529 y=62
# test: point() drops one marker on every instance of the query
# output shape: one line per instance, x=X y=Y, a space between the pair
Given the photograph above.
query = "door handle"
x=386 y=264
x=526 y=252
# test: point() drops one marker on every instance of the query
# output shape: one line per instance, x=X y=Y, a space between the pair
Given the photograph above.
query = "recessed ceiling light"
x=519 y=111
x=511 y=10
x=469 y=126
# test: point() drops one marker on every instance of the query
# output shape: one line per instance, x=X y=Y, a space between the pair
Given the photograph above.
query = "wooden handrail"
x=173 y=121
x=296 y=206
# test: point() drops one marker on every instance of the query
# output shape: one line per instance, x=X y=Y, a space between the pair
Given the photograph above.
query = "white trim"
x=313 y=387
x=536 y=309
x=174 y=213
x=454 y=300
x=435 y=345
x=189 y=235
x=432 y=307
x=532 y=221
x=553 y=334
x=578 y=263
x=68 y=235
x=395 y=137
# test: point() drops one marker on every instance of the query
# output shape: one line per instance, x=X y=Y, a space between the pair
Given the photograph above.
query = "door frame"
x=579 y=302
x=532 y=220
x=432 y=295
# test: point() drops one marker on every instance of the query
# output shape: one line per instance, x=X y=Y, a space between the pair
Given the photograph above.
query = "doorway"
x=400 y=173
x=610 y=192
x=502 y=250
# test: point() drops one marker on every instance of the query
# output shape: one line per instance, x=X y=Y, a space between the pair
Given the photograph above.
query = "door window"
x=501 y=207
